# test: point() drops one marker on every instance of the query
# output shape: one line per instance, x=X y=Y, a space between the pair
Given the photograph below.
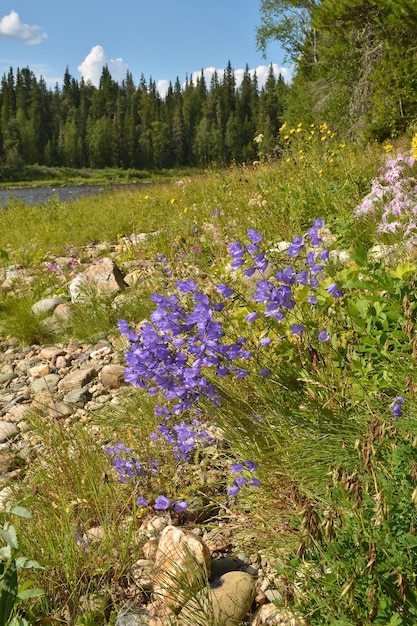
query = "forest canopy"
x=132 y=126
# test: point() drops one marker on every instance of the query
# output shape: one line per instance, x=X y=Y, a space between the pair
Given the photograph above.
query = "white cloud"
x=262 y=73
x=162 y=87
x=92 y=66
x=13 y=28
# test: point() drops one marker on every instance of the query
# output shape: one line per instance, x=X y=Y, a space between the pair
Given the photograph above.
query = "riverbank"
x=267 y=330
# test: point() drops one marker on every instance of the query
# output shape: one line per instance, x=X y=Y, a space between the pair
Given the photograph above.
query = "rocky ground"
x=70 y=382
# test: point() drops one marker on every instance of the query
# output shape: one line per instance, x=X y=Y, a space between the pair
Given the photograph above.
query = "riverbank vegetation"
x=320 y=393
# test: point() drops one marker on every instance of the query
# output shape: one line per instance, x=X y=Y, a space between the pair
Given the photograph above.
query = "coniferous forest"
x=131 y=126
x=354 y=67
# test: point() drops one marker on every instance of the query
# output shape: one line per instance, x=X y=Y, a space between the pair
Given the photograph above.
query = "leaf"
x=10 y=536
x=18 y=621
x=8 y=591
x=6 y=552
x=33 y=592
x=23 y=563
x=409 y=540
x=21 y=511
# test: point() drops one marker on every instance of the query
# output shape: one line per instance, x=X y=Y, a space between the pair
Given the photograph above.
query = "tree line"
x=132 y=126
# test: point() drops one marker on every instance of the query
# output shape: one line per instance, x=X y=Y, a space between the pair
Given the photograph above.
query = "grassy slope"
x=195 y=218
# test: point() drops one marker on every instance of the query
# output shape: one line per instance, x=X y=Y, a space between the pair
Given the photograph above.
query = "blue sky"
x=161 y=39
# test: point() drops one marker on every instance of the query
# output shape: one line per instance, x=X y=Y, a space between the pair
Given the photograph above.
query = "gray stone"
x=7 y=377
x=47 y=383
x=18 y=413
x=77 y=396
x=46 y=306
x=8 y=430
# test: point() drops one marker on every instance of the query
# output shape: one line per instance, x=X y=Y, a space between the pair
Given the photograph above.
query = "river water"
x=40 y=195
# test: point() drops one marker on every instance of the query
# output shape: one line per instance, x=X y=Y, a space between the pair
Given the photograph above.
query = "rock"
x=153 y=614
x=46 y=306
x=18 y=413
x=142 y=574
x=78 y=396
x=8 y=430
x=76 y=379
x=8 y=463
x=6 y=497
x=150 y=549
x=7 y=377
x=37 y=371
x=112 y=376
x=182 y=566
x=48 y=383
x=227 y=602
x=50 y=353
x=271 y=615
x=63 y=312
x=59 y=410
x=103 y=276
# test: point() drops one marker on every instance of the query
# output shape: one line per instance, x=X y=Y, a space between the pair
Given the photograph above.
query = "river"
x=40 y=195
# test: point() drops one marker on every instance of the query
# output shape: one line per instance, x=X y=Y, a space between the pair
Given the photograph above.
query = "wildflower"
x=233 y=490
x=396 y=406
x=296 y=246
x=251 y=317
x=180 y=507
x=162 y=503
x=185 y=286
x=265 y=372
x=323 y=336
x=236 y=468
x=255 y=482
x=334 y=291
x=265 y=341
x=254 y=235
x=224 y=290
x=142 y=501
x=297 y=329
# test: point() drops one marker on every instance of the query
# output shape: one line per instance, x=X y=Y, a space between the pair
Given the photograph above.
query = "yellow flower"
x=388 y=147
x=283 y=127
x=414 y=146
x=146 y=197
x=173 y=200
x=185 y=209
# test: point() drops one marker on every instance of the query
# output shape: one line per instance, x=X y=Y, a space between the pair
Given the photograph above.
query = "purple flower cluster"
x=396 y=406
x=277 y=293
x=239 y=470
x=162 y=503
x=393 y=200
x=170 y=353
x=162 y=258
x=128 y=468
x=183 y=438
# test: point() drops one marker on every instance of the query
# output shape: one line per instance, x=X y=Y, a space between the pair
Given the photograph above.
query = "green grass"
x=319 y=426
